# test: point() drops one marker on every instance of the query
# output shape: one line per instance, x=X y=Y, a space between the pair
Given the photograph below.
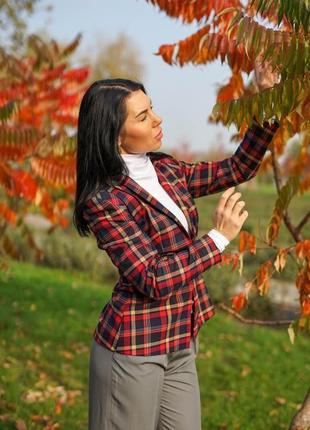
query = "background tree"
x=13 y=22
x=249 y=36
x=233 y=35
x=113 y=58
x=39 y=100
x=40 y=93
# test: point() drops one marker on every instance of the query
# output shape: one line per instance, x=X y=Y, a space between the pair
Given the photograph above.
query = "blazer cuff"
x=207 y=251
x=269 y=127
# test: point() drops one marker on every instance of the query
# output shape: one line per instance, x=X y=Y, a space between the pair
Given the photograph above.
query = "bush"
x=67 y=251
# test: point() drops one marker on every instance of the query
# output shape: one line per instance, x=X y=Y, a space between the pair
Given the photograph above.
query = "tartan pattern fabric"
x=161 y=299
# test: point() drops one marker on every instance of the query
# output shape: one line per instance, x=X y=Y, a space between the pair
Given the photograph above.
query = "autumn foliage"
x=238 y=34
x=39 y=99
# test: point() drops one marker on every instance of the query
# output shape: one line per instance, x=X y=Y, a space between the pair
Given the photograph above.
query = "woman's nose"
x=157 y=120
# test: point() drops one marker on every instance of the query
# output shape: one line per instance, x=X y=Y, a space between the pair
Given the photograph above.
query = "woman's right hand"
x=227 y=218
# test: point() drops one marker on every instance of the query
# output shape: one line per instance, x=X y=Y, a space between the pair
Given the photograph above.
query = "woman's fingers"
x=228 y=217
x=265 y=76
x=223 y=200
x=231 y=203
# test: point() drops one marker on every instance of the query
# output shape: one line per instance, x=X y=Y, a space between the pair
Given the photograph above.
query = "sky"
x=182 y=96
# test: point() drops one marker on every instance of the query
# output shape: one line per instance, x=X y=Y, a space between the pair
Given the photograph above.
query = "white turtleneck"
x=143 y=172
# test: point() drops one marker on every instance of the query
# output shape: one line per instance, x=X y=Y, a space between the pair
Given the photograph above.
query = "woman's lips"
x=159 y=135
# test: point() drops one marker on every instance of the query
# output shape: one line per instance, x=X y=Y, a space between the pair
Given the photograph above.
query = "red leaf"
x=24 y=185
x=305 y=307
x=239 y=301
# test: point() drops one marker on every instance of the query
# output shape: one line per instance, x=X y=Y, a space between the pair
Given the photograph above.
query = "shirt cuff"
x=219 y=239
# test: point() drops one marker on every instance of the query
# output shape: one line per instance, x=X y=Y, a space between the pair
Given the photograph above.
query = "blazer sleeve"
x=209 y=177
x=154 y=274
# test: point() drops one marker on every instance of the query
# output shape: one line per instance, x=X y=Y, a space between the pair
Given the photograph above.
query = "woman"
x=139 y=204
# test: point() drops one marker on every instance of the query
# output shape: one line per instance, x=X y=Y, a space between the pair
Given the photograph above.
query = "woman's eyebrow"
x=143 y=111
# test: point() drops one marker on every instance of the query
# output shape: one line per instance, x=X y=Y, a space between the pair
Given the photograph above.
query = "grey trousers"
x=158 y=392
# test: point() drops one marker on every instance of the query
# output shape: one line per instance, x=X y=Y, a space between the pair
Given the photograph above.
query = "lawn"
x=251 y=378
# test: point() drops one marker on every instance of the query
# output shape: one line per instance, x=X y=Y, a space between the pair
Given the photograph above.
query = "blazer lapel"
x=173 y=192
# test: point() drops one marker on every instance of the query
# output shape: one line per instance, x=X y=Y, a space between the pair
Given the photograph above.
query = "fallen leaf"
x=40 y=418
x=280 y=400
x=51 y=426
x=206 y=354
x=80 y=348
x=31 y=364
x=229 y=393
x=4 y=417
x=245 y=371
x=68 y=355
x=20 y=425
x=58 y=408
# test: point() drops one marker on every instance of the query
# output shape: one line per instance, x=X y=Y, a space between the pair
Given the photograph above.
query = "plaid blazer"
x=160 y=299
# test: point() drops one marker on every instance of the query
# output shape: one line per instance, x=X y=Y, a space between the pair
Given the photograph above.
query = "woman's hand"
x=264 y=76
x=227 y=218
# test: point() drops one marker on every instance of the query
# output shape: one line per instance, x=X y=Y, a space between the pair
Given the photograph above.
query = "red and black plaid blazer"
x=160 y=299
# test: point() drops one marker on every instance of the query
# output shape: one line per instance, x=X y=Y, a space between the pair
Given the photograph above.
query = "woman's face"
x=141 y=127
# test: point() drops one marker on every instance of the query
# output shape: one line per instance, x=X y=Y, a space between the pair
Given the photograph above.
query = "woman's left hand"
x=264 y=76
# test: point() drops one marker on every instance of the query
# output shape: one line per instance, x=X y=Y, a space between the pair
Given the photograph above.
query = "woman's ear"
x=119 y=143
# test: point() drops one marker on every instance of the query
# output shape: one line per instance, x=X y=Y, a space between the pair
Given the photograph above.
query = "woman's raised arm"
x=209 y=177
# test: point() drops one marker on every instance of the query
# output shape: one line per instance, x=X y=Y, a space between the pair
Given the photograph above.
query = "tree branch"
x=252 y=321
x=303 y=221
x=286 y=218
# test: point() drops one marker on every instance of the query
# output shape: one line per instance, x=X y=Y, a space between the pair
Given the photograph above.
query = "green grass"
x=251 y=378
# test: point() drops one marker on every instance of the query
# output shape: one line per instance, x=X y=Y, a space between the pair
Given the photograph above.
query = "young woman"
x=139 y=204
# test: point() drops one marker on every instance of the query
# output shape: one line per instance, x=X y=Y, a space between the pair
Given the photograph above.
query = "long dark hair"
x=98 y=161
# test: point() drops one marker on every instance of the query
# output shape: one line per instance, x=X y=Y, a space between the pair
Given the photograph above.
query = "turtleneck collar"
x=140 y=166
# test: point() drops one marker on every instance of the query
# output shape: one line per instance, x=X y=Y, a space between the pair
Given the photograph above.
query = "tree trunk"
x=301 y=420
